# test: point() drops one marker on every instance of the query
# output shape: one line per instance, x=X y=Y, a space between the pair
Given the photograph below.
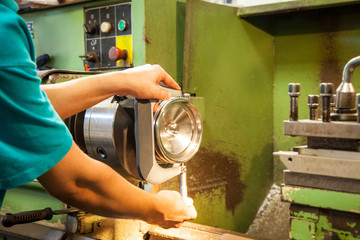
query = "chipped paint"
x=322 y=198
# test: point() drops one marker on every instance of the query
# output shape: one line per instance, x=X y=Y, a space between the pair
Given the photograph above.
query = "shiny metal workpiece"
x=148 y=141
x=177 y=130
x=326 y=92
x=294 y=93
x=345 y=93
x=313 y=103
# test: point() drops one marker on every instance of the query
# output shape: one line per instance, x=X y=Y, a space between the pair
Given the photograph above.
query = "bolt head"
x=313 y=100
x=294 y=89
x=326 y=89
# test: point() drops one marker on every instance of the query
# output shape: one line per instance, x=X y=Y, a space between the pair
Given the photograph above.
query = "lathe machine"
x=322 y=182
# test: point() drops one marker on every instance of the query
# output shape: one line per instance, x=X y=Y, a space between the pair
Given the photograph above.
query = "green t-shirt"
x=33 y=138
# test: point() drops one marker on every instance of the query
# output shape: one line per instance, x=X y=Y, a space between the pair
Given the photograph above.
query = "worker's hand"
x=143 y=82
x=172 y=210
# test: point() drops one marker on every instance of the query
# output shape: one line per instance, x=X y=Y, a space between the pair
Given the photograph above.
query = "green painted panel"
x=164 y=35
x=341 y=201
x=229 y=63
x=138 y=15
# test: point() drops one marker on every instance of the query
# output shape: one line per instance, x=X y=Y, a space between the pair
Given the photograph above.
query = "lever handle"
x=9 y=219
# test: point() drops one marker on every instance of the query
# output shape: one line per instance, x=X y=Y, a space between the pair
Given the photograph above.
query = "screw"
x=313 y=103
x=326 y=92
x=294 y=93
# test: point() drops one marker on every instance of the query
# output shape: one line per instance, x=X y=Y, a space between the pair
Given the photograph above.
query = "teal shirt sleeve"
x=33 y=138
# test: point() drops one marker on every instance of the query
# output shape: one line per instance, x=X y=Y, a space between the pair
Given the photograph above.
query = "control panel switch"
x=91 y=57
x=90 y=28
x=116 y=53
x=105 y=27
x=122 y=25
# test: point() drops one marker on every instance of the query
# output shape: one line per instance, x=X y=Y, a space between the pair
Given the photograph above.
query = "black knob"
x=90 y=56
x=90 y=28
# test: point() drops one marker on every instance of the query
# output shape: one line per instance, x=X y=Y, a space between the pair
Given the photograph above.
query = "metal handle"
x=26 y=217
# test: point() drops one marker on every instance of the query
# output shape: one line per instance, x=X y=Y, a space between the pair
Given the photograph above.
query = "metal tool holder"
x=322 y=182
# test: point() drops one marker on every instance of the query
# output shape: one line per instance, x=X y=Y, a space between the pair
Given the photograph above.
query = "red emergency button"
x=116 y=53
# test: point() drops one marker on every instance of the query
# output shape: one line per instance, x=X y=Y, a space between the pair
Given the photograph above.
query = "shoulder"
x=15 y=41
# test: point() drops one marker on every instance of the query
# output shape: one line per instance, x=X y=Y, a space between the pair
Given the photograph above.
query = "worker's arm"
x=93 y=186
x=69 y=98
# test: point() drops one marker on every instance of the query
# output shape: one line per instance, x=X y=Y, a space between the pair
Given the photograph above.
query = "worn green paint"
x=290 y=5
x=308 y=225
x=341 y=201
x=302 y=230
x=309 y=216
x=229 y=63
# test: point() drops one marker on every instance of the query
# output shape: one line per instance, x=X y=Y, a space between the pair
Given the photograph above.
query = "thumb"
x=191 y=212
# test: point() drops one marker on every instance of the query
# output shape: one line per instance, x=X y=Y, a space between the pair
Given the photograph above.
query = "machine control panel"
x=108 y=37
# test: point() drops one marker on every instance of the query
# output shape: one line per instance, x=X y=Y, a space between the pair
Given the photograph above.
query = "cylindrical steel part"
x=326 y=92
x=177 y=130
x=183 y=184
x=326 y=109
x=294 y=93
x=294 y=108
x=313 y=103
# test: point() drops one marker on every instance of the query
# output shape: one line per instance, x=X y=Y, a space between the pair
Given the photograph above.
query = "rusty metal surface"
x=334 y=143
x=192 y=231
x=126 y=229
x=350 y=130
x=328 y=166
x=275 y=7
x=322 y=182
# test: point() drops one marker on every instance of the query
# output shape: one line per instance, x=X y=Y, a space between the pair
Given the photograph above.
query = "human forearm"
x=94 y=187
x=69 y=98
x=74 y=96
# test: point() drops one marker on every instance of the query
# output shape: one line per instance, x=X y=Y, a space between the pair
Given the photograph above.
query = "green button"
x=122 y=25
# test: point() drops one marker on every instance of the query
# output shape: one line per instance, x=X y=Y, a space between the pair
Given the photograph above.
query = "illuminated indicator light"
x=122 y=25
